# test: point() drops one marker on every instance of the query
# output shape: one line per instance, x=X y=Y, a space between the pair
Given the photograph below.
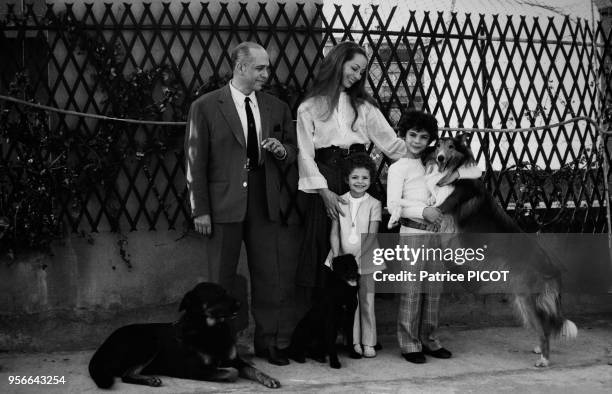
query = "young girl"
x=409 y=200
x=362 y=215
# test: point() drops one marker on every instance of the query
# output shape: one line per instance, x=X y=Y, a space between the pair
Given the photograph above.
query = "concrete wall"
x=75 y=297
x=82 y=275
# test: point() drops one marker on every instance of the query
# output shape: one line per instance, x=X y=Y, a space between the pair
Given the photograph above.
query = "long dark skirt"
x=317 y=225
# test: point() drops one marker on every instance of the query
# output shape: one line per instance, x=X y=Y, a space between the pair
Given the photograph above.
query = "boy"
x=408 y=198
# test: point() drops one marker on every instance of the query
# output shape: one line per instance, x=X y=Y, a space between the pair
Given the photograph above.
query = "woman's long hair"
x=328 y=80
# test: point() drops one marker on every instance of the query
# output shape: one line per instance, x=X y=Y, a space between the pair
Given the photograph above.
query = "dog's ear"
x=187 y=301
x=464 y=142
x=338 y=263
x=464 y=139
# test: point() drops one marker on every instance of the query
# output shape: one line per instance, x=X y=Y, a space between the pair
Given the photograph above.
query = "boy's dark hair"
x=359 y=160
x=418 y=120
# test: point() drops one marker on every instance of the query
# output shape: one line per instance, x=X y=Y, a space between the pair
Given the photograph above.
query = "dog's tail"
x=569 y=329
x=542 y=311
x=100 y=373
x=548 y=306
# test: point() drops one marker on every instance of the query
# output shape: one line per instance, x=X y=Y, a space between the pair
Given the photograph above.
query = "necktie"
x=252 y=141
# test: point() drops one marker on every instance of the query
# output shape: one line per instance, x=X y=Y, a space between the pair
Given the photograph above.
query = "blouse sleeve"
x=382 y=134
x=395 y=182
x=310 y=177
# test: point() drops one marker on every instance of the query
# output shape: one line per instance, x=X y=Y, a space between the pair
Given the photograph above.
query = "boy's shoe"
x=414 y=357
x=368 y=351
x=439 y=353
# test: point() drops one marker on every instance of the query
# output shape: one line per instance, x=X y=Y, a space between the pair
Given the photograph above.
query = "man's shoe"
x=414 y=357
x=438 y=353
x=261 y=353
x=277 y=356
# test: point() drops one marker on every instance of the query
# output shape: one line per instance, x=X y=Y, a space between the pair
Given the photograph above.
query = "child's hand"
x=432 y=215
x=449 y=178
x=431 y=201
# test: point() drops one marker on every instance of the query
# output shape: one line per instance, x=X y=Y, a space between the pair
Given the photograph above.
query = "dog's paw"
x=542 y=362
x=232 y=375
x=268 y=381
x=153 y=381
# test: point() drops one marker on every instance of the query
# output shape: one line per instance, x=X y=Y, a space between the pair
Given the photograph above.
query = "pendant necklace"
x=353 y=237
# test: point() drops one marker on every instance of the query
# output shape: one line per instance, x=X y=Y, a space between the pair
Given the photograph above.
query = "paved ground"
x=493 y=359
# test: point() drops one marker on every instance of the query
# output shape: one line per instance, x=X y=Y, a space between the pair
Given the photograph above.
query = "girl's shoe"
x=356 y=352
x=368 y=351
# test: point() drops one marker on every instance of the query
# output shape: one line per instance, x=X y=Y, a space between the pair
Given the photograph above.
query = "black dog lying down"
x=536 y=283
x=196 y=347
x=334 y=309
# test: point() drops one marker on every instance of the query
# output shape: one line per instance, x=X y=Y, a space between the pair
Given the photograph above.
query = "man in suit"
x=240 y=144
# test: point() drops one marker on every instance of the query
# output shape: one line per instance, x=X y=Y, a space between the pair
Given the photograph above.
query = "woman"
x=337 y=118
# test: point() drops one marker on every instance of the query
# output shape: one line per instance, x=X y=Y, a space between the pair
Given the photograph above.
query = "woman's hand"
x=332 y=203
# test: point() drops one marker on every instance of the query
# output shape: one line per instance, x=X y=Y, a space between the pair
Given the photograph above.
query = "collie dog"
x=470 y=208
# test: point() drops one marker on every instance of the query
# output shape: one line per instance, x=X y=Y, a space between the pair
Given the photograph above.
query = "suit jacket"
x=216 y=155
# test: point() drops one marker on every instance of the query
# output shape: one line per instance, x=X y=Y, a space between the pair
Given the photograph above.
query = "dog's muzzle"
x=441 y=160
x=223 y=311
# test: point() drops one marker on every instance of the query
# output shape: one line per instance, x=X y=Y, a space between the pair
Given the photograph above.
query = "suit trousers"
x=271 y=263
x=419 y=308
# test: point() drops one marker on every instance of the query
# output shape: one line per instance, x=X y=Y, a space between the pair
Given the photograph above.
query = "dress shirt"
x=238 y=98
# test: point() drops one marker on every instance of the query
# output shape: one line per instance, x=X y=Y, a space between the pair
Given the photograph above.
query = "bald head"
x=250 y=63
x=242 y=52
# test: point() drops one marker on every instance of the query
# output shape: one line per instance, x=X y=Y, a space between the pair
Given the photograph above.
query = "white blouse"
x=314 y=131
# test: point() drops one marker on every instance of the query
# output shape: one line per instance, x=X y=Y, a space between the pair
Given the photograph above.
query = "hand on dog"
x=203 y=224
x=448 y=179
x=432 y=215
x=332 y=203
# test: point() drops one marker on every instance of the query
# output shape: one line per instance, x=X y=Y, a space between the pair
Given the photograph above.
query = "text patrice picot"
x=458 y=256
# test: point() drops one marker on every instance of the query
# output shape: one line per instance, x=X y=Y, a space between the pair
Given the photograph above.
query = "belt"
x=334 y=153
x=418 y=225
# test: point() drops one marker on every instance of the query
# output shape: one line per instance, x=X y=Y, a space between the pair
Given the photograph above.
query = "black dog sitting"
x=196 y=347
x=334 y=309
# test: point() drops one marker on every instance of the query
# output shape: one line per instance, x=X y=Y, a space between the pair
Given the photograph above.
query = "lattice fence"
x=469 y=71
